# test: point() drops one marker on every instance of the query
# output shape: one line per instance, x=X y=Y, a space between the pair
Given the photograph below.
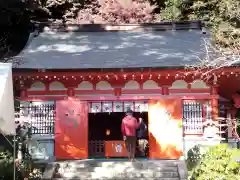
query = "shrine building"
x=76 y=83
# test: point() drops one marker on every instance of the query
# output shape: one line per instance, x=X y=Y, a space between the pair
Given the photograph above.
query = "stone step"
x=97 y=169
x=117 y=179
x=138 y=164
x=123 y=175
x=117 y=167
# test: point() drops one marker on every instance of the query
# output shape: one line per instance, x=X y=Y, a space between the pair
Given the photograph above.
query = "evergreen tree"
x=221 y=16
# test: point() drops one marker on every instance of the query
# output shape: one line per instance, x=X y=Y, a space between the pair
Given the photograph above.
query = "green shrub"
x=218 y=163
x=194 y=156
x=6 y=165
x=24 y=169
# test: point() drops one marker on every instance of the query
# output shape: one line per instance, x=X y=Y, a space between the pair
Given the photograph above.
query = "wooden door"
x=71 y=129
x=165 y=129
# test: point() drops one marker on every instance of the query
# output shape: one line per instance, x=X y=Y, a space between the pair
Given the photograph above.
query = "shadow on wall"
x=71 y=131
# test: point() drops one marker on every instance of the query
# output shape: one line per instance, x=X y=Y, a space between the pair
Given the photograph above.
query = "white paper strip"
x=107 y=107
x=96 y=107
x=139 y=106
x=117 y=107
x=128 y=105
x=145 y=107
x=89 y=107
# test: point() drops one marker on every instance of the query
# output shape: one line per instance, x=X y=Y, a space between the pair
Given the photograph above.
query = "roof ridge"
x=156 y=26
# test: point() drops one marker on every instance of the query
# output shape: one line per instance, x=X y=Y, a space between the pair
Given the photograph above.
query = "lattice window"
x=194 y=113
x=40 y=115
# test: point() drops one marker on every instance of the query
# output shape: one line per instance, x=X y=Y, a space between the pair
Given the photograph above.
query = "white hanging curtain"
x=117 y=106
x=7 y=120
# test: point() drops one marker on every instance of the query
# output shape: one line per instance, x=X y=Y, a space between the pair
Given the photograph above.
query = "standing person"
x=129 y=127
x=142 y=137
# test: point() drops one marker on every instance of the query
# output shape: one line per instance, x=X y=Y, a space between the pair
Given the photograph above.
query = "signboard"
x=118 y=148
x=115 y=149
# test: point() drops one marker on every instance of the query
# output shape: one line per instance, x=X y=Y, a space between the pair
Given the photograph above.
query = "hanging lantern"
x=108 y=132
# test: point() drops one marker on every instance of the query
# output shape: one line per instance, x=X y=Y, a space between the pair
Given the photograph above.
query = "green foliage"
x=172 y=10
x=222 y=16
x=5 y=160
x=194 y=156
x=6 y=165
x=219 y=162
x=24 y=169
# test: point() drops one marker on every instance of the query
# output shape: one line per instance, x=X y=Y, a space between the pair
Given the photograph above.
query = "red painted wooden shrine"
x=169 y=93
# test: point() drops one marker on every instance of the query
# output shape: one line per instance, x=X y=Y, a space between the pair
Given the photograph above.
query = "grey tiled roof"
x=83 y=50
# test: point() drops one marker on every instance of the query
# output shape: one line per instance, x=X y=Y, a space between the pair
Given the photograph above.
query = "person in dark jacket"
x=142 y=137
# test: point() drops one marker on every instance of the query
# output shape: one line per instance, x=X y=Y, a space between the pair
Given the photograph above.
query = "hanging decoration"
x=89 y=107
x=117 y=107
x=108 y=132
x=139 y=107
x=108 y=106
x=128 y=105
x=96 y=107
x=144 y=107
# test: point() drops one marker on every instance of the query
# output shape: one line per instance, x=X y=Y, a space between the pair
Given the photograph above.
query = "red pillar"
x=70 y=92
x=165 y=90
x=23 y=93
x=117 y=92
x=214 y=91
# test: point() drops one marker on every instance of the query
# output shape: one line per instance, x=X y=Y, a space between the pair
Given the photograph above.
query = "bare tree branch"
x=215 y=57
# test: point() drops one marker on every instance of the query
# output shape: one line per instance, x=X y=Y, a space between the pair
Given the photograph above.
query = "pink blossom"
x=116 y=12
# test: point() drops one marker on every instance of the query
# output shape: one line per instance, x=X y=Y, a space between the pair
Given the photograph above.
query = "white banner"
x=7 y=119
x=117 y=106
x=96 y=107
x=107 y=107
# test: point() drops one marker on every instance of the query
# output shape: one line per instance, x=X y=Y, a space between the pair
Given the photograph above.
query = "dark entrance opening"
x=107 y=127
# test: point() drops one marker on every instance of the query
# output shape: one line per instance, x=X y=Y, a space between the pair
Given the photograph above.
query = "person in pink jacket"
x=129 y=127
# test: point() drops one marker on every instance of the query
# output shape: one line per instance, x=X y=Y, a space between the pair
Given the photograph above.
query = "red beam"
x=153 y=72
x=125 y=98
